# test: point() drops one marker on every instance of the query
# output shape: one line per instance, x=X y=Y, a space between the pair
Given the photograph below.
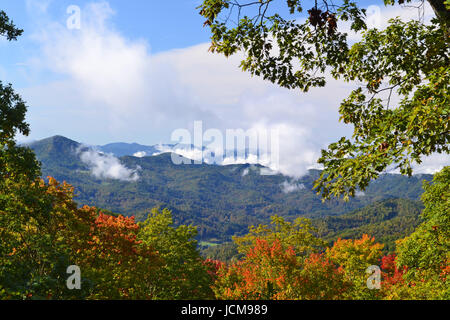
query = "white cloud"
x=289 y=187
x=432 y=164
x=37 y=6
x=106 y=166
x=360 y=193
x=429 y=165
x=185 y=151
x=378 y=16
x=140 y=154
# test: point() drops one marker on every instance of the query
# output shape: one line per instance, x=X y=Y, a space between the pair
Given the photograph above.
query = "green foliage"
x=305 y=49
x=184 y=275
x=23 y=203
x=426 y=252
x=409 y=60
x=12 y=114
x=299 y=235
x=33 y=255
x=387 y=221
x=391 y=62
x=7 y=27
x=226 y=252
x=15 y=162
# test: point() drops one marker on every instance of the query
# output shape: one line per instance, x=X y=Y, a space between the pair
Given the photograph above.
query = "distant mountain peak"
x=58 y=143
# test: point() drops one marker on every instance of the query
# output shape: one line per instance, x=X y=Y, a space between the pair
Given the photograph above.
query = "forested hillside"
x=387 y=221
x=221 y=200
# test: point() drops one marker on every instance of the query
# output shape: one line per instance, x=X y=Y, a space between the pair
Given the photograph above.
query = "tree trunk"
x=443 y=14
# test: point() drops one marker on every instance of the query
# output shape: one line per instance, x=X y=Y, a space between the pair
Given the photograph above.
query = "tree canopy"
x=408 y=60
x=7 y=27
x=15 y=162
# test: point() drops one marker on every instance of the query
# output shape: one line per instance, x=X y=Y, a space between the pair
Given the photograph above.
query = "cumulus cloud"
x=106 y=166
x=378 y=16
x=432 y=164
x=289 y=187
x=429 y=165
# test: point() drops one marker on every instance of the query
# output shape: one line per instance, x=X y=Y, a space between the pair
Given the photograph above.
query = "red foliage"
x=391 y=274
x=213 y=267
x=321 y=279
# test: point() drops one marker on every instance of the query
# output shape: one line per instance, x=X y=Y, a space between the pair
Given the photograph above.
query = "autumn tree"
x=322 y=279
x=34 y=251
x=56 y=233
x=426 y=252
x=393 y=285
x=268 y=272
x=299 y=235
x=281 y=261
x=183 y=273
x=408 y=60
x=354 y=257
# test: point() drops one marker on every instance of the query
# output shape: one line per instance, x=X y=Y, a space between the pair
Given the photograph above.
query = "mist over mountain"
x=222 y=200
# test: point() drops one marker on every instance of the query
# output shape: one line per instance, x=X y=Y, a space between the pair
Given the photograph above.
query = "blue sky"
x=166 y=24
x=138 y=70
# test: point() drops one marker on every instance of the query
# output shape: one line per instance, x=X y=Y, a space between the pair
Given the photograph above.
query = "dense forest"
x=387 y=221
x=122 y=259
x=220 y=200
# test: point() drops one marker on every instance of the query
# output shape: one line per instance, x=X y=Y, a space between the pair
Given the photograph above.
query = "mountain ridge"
x=221 y=200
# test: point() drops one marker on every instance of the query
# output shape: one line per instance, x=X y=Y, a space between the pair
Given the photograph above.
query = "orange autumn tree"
x=117 y=265
x=47 y=232
x=271 y=272
x=282 y=261
x=321 y=279
x=267 y=272
x=394 y=284
x=354 y=257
